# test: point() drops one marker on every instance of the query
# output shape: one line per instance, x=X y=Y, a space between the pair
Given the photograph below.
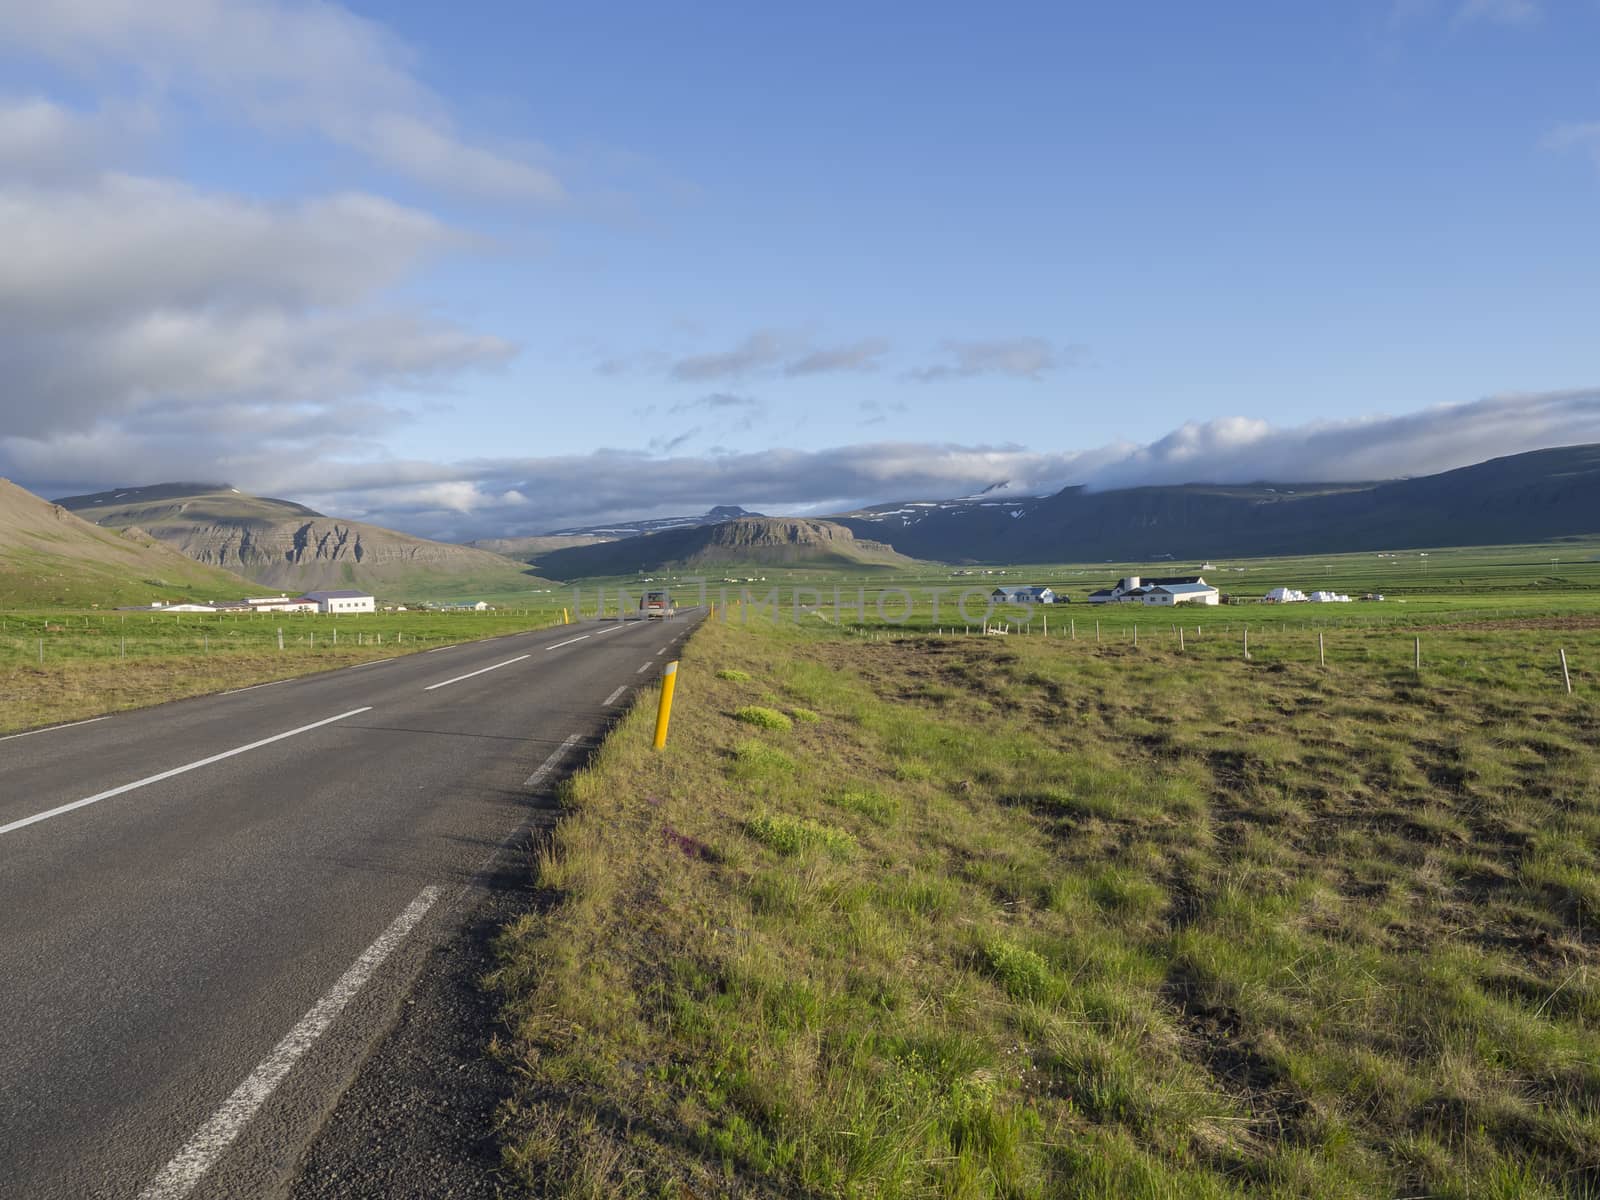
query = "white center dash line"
x=179 y=1177
x=203 y=762
x=646 y=667
x=53 y=728
x=480 y=671
x=568 y=642
x=615 y=696
x=550 y=763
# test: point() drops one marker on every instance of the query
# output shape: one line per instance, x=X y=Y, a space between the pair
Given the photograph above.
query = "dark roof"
x=1171 y=580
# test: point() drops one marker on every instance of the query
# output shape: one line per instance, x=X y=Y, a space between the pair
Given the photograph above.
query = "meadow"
x=898 y=914
x=58 y=665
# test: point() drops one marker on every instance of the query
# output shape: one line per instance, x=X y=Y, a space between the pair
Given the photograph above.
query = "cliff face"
x=775 y=541
x=287 y=546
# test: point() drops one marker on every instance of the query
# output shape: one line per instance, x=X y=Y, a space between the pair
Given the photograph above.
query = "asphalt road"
x=211 y=908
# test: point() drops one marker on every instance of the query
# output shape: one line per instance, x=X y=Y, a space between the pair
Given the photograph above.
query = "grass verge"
x=1015 y=917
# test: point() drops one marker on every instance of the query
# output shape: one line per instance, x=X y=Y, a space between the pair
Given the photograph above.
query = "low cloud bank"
x=507 y=496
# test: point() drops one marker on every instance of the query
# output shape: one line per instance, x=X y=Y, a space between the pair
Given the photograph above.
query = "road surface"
x=211 y=908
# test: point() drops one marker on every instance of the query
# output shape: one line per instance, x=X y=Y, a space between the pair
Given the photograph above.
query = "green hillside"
x=49 y=557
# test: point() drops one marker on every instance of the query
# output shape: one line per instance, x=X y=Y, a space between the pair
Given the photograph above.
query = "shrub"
x=765 y=718
x=804 y=715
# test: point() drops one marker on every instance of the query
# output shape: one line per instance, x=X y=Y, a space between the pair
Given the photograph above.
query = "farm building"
x=1180 y=593
x=342 y=601
x=1023 y=595
x=1182 y=589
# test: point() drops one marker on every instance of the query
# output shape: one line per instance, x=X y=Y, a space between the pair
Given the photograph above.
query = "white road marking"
x=480 y=671
x=436 y=649
x=373 y=663
x=179 y=1177
x=53 y=728
x=568 y=642
x=203 y=762
x=549 y=764
x=662 y=651
x=645 y=668
x=254 y=686
x=612 y=629
x=615 y=696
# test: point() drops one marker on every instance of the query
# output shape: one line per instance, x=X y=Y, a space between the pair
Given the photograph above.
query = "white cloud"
x=284 y=66
x=483 y=497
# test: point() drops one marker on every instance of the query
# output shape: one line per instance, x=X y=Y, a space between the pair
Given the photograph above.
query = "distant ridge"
x=1530 y=497
x=774 y=541
x=283 y=545
x=621 y=529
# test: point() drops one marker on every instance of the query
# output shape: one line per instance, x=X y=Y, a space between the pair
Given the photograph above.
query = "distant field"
x=900 y=916
x=63 y=666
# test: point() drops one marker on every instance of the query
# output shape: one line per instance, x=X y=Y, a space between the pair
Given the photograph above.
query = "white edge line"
x=568 y=642
x=470 y=674
x=373 y=663
x=203 y=762
x=549 y=764
x=179 y=1177
x=254 y=686
x=646 y=667
x=53 y=728
x=615 y=696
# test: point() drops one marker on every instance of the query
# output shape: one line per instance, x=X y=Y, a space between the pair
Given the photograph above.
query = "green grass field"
x=67 y=665
x=1039 y=916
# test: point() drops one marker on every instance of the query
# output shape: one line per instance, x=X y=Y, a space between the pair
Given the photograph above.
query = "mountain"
x=289 y=547
x=528 y=549
x=50 y=557
x=1521 y=498
x=625 y=529
x=773 y=541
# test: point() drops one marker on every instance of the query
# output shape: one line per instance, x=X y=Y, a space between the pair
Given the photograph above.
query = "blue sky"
x=481 y=268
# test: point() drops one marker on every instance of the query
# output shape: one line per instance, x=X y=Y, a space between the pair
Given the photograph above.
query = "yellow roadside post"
x=664 y=710
x=565 y=620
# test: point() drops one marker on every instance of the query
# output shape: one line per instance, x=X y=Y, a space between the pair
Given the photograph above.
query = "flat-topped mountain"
x=769 y=541
x=284 y=545
x=50 y=556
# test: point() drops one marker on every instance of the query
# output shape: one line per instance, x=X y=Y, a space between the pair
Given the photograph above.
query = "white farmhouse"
x=344 y=601
x=1183 y=589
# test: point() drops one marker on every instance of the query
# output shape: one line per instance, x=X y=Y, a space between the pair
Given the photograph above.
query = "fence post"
x=1419 y=656
x=1322 y=658
x=41 y=651
x=1180 y=639
x=1247 y=643
x=1072 y=628
x=280 y=637
x=1136 y=633
x=1565 y=676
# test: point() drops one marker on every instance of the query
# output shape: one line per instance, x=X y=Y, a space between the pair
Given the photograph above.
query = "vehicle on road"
x=657 y=604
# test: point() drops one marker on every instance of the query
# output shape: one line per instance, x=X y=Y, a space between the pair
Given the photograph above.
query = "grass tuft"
x=762 y=717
